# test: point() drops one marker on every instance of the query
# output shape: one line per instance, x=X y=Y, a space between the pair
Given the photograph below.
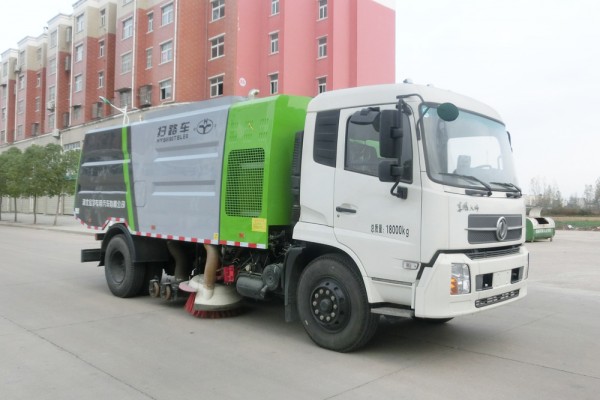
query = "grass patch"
x=580 y=223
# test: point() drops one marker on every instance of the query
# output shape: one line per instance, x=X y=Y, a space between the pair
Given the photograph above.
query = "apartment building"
x=58 y=74
x=149 y=53
x=30 y=75
x=92 y=58
x=8 y=81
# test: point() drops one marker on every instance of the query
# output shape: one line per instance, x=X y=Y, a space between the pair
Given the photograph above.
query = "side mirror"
x=389 y=171
x=390 y=134
x=447 y=112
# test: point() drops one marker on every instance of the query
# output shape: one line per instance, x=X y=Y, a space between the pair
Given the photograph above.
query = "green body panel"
x=259 y=145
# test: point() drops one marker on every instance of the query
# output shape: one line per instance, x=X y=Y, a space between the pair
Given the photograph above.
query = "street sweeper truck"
x=398 y=200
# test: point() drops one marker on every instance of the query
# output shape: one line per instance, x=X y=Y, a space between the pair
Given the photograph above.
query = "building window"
x=38 y=80
x=217 y=47
x=165 y=89
x=166 y=52
x=148 y=58
x=50 y=121
x=53 y=39
x=101 y=48
x=38 y=54
x=20 y=132
x=78 y=53
x=126 y=63
x=322 y=9
x=51 y=93
x=125 y=98
x=322 y=47
x=101 y=79
x=103 y=17
x=76 y=112
x=321 y=85
x=78 y=83
x=3 y=113
x=150 y=22
x=167 y=14
x=218 y=9
x=79 y=23
x=52 y=66
x=98 y=110
x=274 y=83
x=274 y=7
x=128 y=28
x=20 y=106
x=21 y=81
x=5 y=69
x=37 y=104
x=216 y=86
x=274 y=42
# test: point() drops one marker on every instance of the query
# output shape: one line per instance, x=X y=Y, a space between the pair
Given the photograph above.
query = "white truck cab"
x=417 y=186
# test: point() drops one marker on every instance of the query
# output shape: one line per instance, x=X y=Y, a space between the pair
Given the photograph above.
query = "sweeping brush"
x=210 y=314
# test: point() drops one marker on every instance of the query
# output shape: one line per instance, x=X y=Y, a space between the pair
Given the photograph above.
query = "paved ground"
x=64 y=223
x=63 y=336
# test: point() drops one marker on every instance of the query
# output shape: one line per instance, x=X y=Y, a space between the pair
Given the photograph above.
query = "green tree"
x=3 y=183
x=37 y=173
x=12 y=168
x=64 y=166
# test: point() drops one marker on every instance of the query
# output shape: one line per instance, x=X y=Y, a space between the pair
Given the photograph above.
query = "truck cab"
x=425 y=204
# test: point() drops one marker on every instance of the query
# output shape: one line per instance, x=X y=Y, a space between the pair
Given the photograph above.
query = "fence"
x=45 y=205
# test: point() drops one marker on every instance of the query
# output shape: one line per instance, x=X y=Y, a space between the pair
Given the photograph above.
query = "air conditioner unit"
x=17 y=69
x=50 y=105
x=146 y=101
x=56 y=133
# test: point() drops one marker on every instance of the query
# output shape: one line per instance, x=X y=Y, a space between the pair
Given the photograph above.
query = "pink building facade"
x=148 y=53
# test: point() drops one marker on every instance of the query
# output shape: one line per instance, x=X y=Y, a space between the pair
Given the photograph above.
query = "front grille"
x=480 y=254
x=482 y=228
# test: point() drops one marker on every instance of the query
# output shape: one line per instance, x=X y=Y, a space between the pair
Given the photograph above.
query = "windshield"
x=471 y=152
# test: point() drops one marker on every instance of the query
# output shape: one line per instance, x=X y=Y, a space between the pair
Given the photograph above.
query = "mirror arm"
x=400 y=192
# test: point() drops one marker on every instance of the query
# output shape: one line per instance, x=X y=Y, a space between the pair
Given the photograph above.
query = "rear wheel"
x=123 y=278
x=333 y=305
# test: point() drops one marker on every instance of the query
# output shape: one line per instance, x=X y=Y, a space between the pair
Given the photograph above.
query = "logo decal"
x=205 y=126
x=501 y=229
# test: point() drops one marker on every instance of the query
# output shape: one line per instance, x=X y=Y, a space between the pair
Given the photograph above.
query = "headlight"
x=460 y=279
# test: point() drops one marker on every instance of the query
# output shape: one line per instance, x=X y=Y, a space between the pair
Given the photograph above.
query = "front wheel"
x=122 y=277
x=333 y=305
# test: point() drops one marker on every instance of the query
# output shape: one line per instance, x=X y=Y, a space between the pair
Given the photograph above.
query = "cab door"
x=381 y=229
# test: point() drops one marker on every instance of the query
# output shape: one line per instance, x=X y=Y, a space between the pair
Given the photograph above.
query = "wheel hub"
x=329 y=305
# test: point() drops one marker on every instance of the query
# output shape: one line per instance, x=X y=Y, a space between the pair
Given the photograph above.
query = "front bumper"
x=494 y=281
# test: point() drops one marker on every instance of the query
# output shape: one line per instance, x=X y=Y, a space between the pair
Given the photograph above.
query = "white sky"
x=536 y=61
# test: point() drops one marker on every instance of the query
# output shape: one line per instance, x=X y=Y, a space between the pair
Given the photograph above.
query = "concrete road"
x=64 y=336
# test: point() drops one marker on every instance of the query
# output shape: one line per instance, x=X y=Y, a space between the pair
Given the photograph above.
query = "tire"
x=333 y=305
x=122 y=277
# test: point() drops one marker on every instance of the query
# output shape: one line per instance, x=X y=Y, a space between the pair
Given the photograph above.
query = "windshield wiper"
x=515 y=193
x=471 y=178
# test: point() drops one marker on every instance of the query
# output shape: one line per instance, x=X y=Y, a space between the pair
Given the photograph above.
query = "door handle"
x=346 y=210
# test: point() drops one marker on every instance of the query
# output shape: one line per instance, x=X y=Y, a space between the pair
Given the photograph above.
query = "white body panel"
x=408 y=261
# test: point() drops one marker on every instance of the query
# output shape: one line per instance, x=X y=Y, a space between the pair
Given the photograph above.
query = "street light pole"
x=121 y=110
